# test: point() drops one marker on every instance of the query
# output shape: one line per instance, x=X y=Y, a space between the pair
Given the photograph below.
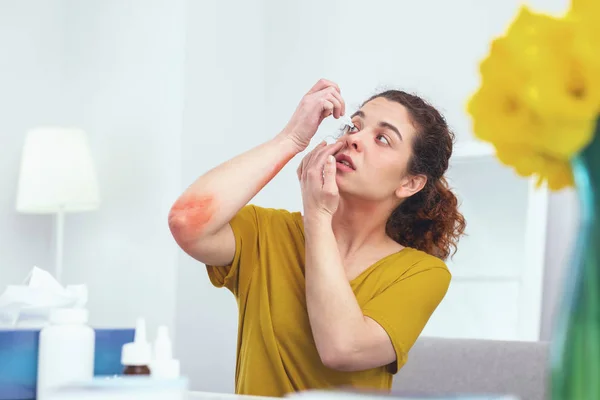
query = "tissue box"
x=19 y=353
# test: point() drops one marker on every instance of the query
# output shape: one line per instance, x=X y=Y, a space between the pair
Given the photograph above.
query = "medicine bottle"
x=136 y=356
x=66 y=350
x=164 y=366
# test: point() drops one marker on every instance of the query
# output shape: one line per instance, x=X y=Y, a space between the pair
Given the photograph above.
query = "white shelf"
x=496 y=290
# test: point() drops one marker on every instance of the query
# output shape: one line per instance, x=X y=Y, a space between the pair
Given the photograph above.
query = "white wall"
x=114 y=68
x=224 y=115
x=31 y=74
x=125 y=80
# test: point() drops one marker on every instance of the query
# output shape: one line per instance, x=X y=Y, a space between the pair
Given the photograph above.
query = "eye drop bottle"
x=164 y=366
x=137 y=355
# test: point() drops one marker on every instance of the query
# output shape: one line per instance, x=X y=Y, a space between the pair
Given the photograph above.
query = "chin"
x=360 y=192
x=351 y=191
x=341 y=182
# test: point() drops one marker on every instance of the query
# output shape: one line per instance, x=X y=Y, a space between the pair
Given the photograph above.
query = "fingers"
x=322 y=84
x=306 y=160
x=317 y=156
x=321 y=157
x=314 y=163
x=331 y=99
x=341 y=104
x=329 y=171
x=334 y=105
x=327 y=108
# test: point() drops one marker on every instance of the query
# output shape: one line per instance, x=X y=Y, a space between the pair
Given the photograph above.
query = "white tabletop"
x=337 y=395
x=223 y=396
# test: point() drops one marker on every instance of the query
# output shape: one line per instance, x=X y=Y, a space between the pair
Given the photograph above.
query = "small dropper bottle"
x=164 y=366
x=136 y=356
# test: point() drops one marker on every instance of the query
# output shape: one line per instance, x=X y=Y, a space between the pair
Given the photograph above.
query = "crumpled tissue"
x=28 y=305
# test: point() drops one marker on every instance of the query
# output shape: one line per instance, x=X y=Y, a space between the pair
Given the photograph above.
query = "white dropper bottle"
x=136 y=355
x=164 y=366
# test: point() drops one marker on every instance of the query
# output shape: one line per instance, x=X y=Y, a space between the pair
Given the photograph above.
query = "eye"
x=346 y=129
x=383 y=139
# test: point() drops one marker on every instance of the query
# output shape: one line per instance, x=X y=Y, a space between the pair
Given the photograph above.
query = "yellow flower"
x=526 y=161
x=498 y=108
x=539 y=96
x=565 y=82
x=588 y=11
x=586 y=7
x=585 y=15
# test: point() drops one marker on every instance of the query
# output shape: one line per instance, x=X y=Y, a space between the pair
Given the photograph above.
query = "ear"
x=410 y=186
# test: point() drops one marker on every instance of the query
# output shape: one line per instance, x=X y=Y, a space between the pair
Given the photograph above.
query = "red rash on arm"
x=195 y=212
x=273 y=171
x=210 y=203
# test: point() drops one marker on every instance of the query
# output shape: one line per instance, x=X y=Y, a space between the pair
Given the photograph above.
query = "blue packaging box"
x=19 y=353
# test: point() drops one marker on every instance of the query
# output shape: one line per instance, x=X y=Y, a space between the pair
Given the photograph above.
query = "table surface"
x=223 y=396
x=323 y=395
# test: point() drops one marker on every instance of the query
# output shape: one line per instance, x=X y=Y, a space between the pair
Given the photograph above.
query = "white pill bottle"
x=66 y=350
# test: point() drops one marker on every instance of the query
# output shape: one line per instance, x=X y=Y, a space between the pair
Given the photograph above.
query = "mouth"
x=345 y=162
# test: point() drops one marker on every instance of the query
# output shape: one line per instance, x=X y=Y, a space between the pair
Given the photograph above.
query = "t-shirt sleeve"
x=404 y=308
x=245 y=225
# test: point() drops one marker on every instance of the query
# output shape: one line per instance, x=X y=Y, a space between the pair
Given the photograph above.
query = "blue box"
x=19 y=354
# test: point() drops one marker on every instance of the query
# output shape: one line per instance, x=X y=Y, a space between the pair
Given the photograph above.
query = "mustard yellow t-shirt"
x=276 y=352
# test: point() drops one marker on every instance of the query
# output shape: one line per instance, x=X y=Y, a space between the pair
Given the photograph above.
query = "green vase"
x=575 y=350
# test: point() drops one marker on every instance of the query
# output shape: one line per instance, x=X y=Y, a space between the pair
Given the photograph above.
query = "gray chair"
x=442 y=367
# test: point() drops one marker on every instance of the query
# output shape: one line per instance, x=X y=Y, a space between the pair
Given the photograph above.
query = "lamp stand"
x=60 y=232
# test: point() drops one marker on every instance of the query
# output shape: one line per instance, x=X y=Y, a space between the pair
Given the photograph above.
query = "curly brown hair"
x=428 y=220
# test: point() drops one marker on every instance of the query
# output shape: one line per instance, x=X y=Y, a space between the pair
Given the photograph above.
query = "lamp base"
x=59 y=240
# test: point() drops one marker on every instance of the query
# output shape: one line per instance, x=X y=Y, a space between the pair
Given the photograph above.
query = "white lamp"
x=57 y=176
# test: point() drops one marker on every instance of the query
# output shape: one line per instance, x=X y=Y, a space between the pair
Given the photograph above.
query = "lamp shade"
x=57 y=172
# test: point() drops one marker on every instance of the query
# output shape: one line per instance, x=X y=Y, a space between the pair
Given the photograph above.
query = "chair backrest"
x=443 y=366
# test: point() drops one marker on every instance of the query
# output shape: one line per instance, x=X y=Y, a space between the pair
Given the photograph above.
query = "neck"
x=356 y=224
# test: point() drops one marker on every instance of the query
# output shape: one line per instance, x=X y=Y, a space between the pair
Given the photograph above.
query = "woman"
x=335 y=296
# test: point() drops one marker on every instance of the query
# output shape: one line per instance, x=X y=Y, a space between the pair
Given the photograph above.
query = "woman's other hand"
x=317 y=174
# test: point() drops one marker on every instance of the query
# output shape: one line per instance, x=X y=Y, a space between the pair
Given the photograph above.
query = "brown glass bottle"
x=136 y=370
x=136 y=355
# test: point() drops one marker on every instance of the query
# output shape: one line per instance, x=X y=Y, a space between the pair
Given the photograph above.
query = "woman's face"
x=373 y=163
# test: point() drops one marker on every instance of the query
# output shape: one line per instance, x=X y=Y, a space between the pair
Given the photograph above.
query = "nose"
x=355 y=140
